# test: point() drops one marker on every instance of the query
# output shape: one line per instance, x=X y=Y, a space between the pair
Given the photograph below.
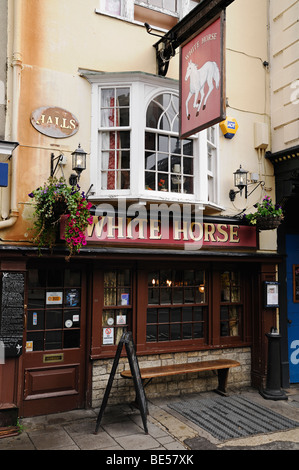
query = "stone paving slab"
x=122 y=429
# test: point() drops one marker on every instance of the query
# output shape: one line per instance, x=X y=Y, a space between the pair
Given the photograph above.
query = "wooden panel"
x=49 y=382
x=8 y=383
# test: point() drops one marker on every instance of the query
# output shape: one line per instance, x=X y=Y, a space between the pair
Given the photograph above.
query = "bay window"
x=115 y=138
x=168 y=160
x=136 y=151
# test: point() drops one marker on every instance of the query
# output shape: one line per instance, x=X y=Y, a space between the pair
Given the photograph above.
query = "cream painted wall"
x=58 y=38
x=284 y=61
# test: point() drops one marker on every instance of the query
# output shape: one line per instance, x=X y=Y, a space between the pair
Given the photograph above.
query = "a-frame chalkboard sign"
x=127 y=340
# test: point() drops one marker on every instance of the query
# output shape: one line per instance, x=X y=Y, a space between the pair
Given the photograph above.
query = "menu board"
x=12 y=312
x=127 y=340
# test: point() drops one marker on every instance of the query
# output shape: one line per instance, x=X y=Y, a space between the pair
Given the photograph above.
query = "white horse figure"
x=198 y=78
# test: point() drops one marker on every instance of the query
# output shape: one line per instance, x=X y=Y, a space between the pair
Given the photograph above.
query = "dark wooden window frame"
x=212 y=338
x=62 y=308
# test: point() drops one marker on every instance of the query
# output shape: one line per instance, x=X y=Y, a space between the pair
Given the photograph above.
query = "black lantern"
x=240 y=181
x=78 y=164
x=79 y=160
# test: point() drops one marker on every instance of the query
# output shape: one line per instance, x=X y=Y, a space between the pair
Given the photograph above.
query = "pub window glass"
x=177 y=307
x=231 y=308
x=117 y=309
x=54 y=309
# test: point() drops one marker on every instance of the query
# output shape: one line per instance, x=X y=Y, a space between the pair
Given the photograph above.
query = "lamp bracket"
x=73 y=179
x=59 y=159
x=232 y=193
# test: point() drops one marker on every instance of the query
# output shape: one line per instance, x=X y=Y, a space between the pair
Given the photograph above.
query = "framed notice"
x=202 y=100
x=108 y=335
x=296 y=282
x=54 y=298
x=271 y=294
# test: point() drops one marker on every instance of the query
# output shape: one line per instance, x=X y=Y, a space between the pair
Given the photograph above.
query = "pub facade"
x=167 y=254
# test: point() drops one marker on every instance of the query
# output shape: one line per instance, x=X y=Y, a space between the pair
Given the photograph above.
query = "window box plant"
x=267 y=216
x=54 y=200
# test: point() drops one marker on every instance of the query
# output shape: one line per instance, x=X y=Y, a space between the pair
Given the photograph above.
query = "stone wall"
x=123 y=389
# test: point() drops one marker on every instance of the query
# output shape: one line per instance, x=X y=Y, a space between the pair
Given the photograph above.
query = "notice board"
x=12 y=312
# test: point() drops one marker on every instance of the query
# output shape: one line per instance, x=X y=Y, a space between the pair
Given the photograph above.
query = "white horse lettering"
x=198 y=78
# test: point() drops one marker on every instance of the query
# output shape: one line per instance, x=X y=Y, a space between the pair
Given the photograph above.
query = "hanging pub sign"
x=54 y=122
x=202 y=101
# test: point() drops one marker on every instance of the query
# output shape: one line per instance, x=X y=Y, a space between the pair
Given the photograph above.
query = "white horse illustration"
x=198 y=78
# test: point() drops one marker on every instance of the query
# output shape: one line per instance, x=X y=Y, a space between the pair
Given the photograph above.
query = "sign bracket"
x=191 y=24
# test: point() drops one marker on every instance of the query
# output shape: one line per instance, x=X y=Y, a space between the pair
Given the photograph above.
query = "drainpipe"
x=16 y=81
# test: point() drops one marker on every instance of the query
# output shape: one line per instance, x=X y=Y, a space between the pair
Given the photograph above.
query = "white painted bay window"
x=136 y=152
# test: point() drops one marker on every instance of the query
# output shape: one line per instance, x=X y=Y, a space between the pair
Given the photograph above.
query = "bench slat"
x=163 y=371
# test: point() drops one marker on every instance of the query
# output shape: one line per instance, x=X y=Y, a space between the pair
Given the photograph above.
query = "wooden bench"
x=221 y=365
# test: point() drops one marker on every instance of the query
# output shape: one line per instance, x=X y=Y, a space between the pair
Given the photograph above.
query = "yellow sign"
x=29 y=346
x=229 y=127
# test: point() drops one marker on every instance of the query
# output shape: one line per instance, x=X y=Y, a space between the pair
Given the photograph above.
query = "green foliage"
x=53 y=200
x=264 y=209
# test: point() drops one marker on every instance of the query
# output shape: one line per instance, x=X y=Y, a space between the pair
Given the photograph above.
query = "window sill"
x=127 y=20
x=145 y=350
x=147 y=197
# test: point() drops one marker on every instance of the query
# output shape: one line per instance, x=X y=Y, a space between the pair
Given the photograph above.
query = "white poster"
x=108 y=335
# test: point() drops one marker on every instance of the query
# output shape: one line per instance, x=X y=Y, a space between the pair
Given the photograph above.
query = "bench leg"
x=222 y=381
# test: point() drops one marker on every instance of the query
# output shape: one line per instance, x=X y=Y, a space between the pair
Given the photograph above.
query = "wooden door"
x=54 y=341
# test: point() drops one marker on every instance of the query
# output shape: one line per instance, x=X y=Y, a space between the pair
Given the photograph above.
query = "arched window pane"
x=164 y=163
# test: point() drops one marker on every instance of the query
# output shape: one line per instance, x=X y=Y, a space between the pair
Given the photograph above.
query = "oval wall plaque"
x=54 y=122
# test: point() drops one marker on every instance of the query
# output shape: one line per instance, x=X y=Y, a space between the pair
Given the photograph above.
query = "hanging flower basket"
x=268 y=215
x=268 y=223
x=52 y=201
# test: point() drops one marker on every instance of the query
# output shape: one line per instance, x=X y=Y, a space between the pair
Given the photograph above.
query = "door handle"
x=289 y=321
x=25 y=318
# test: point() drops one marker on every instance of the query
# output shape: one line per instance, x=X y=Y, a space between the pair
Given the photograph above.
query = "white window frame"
x=127 y=9
x=143 y=88
x=212 y=169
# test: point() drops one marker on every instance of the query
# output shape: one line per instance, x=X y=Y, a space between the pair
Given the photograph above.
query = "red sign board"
x=202 y=101
x=178 y=234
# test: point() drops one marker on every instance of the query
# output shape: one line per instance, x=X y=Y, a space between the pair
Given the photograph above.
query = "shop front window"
x=177 y=306
x=117 y=309
x=172 y=307
x=54 y=309
x=231 y=307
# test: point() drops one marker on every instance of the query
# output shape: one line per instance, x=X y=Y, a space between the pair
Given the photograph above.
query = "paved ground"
x=121 y=429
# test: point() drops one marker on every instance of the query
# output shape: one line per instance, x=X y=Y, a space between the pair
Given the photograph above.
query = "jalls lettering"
x=54 y=122
x=64 y=123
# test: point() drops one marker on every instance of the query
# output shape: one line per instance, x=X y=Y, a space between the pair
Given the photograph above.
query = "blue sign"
x=292 y=248
x=4 y=175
